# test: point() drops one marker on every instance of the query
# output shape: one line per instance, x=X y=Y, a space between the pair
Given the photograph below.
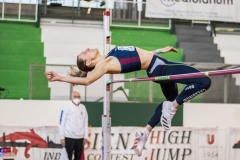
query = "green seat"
x=21 y=46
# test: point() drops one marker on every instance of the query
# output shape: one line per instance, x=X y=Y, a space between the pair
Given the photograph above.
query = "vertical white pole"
x=106 y=119
x=36 y=11
x=19 y=10
x=139 y=8
x=3 y=5
x=139 y=18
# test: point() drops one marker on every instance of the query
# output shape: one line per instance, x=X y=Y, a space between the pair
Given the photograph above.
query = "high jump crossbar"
x=180 y=76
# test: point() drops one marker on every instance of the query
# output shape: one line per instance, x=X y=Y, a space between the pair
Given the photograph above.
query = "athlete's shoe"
x=140 y=140
x=167 y=115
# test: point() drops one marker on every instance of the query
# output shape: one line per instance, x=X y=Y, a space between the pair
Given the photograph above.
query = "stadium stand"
x=62 y=44
x=228 y=44
x=229 y=47
x=63 y=41
x=21 y=46
x=198 y=45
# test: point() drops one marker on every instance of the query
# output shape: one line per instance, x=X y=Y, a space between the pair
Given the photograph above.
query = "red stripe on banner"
x=129 y=60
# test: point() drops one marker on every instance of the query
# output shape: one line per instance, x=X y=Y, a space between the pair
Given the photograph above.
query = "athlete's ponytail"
x=82 y=70
x=74 y=72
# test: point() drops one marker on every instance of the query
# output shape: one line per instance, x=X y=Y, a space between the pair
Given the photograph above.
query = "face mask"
x=76 y=101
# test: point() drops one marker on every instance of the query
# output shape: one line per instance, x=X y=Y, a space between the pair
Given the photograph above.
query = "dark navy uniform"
x=130 y=61
x=128 y=58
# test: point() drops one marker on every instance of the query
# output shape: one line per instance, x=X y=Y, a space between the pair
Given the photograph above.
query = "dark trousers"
x=74 y=146
x=194 y=86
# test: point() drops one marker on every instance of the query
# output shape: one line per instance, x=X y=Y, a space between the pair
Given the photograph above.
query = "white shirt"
x=73 y=122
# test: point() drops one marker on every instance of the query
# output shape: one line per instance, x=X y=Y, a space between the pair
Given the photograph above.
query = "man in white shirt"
x=73 y=127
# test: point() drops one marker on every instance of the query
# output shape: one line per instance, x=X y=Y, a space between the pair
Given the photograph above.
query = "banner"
x=210 y=144
x=234 y=143
x=38 y=143
x=179 y=143
x=212 y=10
x=175 y=144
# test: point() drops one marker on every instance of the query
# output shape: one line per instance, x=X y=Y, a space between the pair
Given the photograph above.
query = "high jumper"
x=124 y=59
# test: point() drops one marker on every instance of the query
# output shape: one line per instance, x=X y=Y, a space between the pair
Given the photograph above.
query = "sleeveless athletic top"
x=128 y=58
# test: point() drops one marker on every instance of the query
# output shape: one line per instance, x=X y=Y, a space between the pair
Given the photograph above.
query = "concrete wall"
x=46 y=113
x=30 y=112
x=211 y=115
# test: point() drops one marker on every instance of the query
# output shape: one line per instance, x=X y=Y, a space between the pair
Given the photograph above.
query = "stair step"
x=210 y=52
x=188 y=26
x=197 y=46
x=202 y=58
x=193 y=38
x=192 y=32
x=199 y=30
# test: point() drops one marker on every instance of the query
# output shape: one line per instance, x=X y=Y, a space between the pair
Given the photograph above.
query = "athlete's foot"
x=140 y=140
x=167 y=115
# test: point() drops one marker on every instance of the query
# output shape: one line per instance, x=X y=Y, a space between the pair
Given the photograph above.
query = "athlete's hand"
x=168 y=49
x=52 y=76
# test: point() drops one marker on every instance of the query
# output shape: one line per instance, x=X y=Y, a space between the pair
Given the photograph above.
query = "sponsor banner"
x=42 y=143
x=234 y=143
x=38 y=143
x=210 y=144
x=213 y=10
x=175 y=144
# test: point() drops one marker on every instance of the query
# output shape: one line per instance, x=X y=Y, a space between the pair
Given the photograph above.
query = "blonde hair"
x=74 y=72
x=82 y=70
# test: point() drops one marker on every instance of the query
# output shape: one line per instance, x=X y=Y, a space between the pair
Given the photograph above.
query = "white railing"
x=124 y=13
x=18 y=10
x=137 y=9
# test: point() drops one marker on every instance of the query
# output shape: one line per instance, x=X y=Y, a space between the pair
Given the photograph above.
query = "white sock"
x=146 y=131
x=171 y=108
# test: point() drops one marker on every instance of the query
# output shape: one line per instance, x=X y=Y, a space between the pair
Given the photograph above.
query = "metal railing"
x=19 y=10
x=124 y=13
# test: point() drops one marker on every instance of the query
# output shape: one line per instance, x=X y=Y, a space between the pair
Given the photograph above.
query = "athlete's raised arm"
x=165 y=50
x=99 y=70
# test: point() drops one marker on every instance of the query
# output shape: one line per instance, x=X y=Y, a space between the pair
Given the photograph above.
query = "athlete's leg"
x=194 y=86
x=169 y=89
x=163 y=112
x=142 y=135
x=140 y=140
x=155 y=119
x=167 y=109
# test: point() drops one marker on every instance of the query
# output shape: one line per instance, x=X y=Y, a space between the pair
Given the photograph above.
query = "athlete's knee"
x=206 y=83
